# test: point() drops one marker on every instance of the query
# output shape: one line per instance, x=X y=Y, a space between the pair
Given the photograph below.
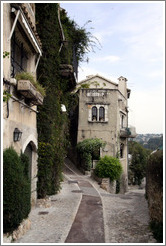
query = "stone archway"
x=30 y=150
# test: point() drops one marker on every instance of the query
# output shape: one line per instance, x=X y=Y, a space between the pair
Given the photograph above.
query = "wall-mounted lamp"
x=63 y=108
x=17 y=135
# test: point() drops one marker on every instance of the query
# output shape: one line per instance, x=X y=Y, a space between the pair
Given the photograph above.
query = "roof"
x=101 y=77
x=94 y=76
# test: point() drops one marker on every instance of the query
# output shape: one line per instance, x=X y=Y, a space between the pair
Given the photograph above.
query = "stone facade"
x=103 y=113
x=23 y=45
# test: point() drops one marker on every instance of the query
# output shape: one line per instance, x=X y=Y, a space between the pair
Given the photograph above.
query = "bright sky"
x=133 y=45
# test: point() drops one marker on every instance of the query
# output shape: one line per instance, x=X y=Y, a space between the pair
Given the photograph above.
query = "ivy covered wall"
x=53 y=125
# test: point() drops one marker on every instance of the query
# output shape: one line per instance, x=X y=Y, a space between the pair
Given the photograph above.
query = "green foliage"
x=89 y=149
x=6 y=54
x=95 y=83
x=45 y=164
x=154 y=193
x=109 y=167
x=16 y=190
x=157 y=229
x=154 y=143
x=54 y=126
x=90 y=145
x=86 y=161
x=6 y=96
x=82 y=40
x=29 y=76
x=138 y=164
x=84 y=86
x=25 y=164
x=155 y=168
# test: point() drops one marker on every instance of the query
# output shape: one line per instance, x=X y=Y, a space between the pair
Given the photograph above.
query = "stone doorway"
x=28 y=153
x=31 y=152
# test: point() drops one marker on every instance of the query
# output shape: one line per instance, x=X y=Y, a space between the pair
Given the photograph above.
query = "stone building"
x=103 y=113
x=22 y=51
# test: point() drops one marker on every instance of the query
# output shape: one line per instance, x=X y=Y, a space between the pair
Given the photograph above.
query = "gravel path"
x=52 y=224
x=126 y=216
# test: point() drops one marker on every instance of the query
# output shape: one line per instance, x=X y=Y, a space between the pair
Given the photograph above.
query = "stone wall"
x=20 y=231
x=105 y=183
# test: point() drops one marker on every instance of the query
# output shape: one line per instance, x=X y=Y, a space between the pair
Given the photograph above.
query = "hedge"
x=16 y=189
x=154 y=193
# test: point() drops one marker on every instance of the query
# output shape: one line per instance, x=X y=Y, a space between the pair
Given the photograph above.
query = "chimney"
x=122 y=86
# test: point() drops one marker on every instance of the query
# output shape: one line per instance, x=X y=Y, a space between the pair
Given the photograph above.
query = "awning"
x=26 y=27
x=30 y=34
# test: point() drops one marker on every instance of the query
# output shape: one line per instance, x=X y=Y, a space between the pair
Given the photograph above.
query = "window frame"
x=99 y=107
x=18 y=52
x=94 y=113
x=101 y=114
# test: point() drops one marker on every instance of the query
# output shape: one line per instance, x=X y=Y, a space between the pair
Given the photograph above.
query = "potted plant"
x=30 y=88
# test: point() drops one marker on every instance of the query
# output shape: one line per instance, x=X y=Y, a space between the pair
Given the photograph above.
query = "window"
x=122 y=121
x=101 y=114
x=19 y=57
x=94 y=113
x=121 y=150
x=98 y=113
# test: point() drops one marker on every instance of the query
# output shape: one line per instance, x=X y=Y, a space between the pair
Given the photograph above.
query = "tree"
x=137 y=167
x=154 y=143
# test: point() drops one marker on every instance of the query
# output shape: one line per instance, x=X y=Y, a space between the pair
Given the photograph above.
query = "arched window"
x=101 y=114
x=94 y=113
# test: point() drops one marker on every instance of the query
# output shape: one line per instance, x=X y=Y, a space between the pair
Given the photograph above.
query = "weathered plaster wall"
x=15 y=114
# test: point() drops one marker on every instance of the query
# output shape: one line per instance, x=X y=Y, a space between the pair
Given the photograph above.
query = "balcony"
x=27 y=89
x=67 y=72
x=69 y=63
x=128 y=132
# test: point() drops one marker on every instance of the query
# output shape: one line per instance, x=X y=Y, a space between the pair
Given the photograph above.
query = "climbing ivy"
x=53 y=126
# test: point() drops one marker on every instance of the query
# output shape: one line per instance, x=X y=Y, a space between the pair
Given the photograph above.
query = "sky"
x=130 y=42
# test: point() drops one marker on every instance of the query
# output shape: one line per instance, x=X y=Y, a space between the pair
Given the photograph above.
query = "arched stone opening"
x=31 y=151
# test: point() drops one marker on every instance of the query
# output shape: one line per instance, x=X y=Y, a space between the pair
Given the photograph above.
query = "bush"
x=157 y=229
x=89 y=149
x=108 y=167
x=154 y=193
x=16 y=191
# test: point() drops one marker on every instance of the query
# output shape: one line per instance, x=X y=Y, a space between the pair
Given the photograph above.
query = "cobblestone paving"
x=126 y=216
x=54 y=226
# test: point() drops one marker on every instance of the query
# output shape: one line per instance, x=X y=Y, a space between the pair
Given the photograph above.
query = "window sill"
x=98 y=121
x=26 y=88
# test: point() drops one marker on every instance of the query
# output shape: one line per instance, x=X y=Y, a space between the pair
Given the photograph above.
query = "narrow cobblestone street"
x=84 y=213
